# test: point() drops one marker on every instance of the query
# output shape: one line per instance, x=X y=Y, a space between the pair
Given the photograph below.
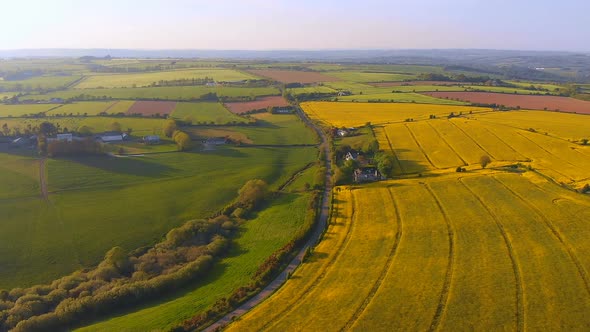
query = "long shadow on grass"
x=137 y=166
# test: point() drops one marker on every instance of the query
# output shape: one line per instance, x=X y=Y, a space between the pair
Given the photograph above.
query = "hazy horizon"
x=306 y=25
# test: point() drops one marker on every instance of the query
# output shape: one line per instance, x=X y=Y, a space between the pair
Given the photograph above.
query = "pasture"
x=489 y=250
x=554 y=103
x=205 y=113
x=94 y=201
x=83 y=108
x=24 y=110
x=39 y=83
x=164 y=93
x=147 y=79
x=258 y=104
x=292 y=76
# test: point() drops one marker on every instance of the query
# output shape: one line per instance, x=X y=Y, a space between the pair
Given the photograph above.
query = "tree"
x=84 y=130
x=252 y=193
x=384 y=163
x=47 y=129
x=115 y=126
x=182 y=140
x=484 y=161
x=169 y=127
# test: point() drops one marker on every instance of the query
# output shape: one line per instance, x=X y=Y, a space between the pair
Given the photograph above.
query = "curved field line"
x=547 y=151
x=473 y=140
x=555 y=233
x=322 y=275
x=447 y=143
x=520 y=313
x=420 y=146
x=402 y=170
x=508 y=145
x=385 y=270
x=444 y=296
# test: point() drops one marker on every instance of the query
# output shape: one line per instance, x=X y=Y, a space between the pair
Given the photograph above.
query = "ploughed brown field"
x=152 y=107
x=260 y=103
x=388 y=84
x=553 y=103
x=292 y=76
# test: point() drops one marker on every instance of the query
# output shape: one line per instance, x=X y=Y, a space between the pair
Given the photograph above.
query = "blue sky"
x=302 y=24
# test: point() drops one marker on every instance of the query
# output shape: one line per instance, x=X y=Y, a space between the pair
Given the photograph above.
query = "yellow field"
x=490 y=250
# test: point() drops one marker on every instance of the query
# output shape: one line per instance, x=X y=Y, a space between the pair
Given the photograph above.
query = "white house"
x=112 y=137
x=65 y=137
x=351 y=155
x=342 y=132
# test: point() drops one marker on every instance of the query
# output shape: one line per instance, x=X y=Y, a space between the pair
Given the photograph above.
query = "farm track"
x=294 y=177
x=473 y=140
x=106 y=110
x=43 y=179
x=76 y=82
x=555 y=232
x=326 y=268
x=465 y=163
x=520 y=313
x=444 y=296
x=503 y=141
x=420 y=146
x=399 y=164
x=386 y=267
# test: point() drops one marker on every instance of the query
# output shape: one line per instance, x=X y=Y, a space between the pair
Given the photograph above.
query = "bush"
x=484 y=161
x=252 y=194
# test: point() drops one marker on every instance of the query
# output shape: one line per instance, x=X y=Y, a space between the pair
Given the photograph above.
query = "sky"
x=296 y=24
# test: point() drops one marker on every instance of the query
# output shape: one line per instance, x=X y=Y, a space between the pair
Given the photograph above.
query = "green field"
x=88 y=210
x=358 y=76
x=24 y=110
x=266 y=233
x=146 y=79
x=82 y=108
x=171 y=93
x=311 y=89
x=400 y=98
x=205 y=113
x=38 y=83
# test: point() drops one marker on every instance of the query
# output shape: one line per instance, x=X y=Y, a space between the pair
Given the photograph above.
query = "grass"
x=486 y=250
x=270 y=230
x=400 y=98
x=165 y=93
x=19 y=174
x=23 y=110
x=95 y=201
x=205 y=113
x=361 y=77
x=146 y=79
x=89 y=108
x=40 y=82
x=311 y=89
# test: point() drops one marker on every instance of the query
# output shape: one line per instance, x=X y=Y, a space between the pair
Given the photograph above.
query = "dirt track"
x=43 y=179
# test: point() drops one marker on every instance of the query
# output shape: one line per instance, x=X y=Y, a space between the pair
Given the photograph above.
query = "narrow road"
x=43 y=179
x=313 y=239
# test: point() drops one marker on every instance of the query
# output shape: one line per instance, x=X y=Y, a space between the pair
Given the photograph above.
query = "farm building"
x=65 y=137
x=151 y=139
x=216 y=141
x=283 y=111
x=111 y=137
x=351 y=155
x=366 y=174
x=342 y=132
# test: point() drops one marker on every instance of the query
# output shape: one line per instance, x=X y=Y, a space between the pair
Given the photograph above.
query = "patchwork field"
x=83 y=108
x=164 y=93
x=358 y=76
x=488 y=250
x=146 y=79
x=37 y=83
x=564 y=104
x=292 y=76
x=258 y=104
x=400 y=98
x=24 y=110
x=149 y=108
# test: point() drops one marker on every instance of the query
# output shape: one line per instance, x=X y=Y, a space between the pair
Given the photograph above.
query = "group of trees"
x=182 y=139
x=87 y=146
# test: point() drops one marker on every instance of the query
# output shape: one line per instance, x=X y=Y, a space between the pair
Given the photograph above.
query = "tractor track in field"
x=444 y=296
x=570 y=251
x=43 y=179
x=420 y=146
x=520 y=313
x=465 y=163
x=473 y=140
x=341 y=248
x=399 y=163
x=384 y=272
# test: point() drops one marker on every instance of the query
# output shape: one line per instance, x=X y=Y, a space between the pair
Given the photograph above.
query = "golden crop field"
x=490 y=250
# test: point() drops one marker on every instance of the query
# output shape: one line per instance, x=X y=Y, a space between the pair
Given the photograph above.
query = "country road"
x=313 y=240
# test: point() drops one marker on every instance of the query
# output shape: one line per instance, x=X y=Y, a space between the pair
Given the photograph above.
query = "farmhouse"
x=109 y=137
x=342 y=132
x=64 y=137
x=211 y=84
x=216 y=141
x=366 y=174
x=151 y=139
x=351 y=155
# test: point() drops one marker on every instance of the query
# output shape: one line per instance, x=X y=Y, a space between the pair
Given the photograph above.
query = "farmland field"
x=63 y=236
x=205 y=113
x=148 y=108
x=23 y=110
x=88 y=108
x=146 y=79
x=489 y=250
x=400 y=98
x=40 y=82
x=526 y=102
x=165 y=93
x=357 y=76
x=291 y=76
x=258 y=104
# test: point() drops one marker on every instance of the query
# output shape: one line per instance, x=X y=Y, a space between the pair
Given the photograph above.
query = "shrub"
x=484 y=161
